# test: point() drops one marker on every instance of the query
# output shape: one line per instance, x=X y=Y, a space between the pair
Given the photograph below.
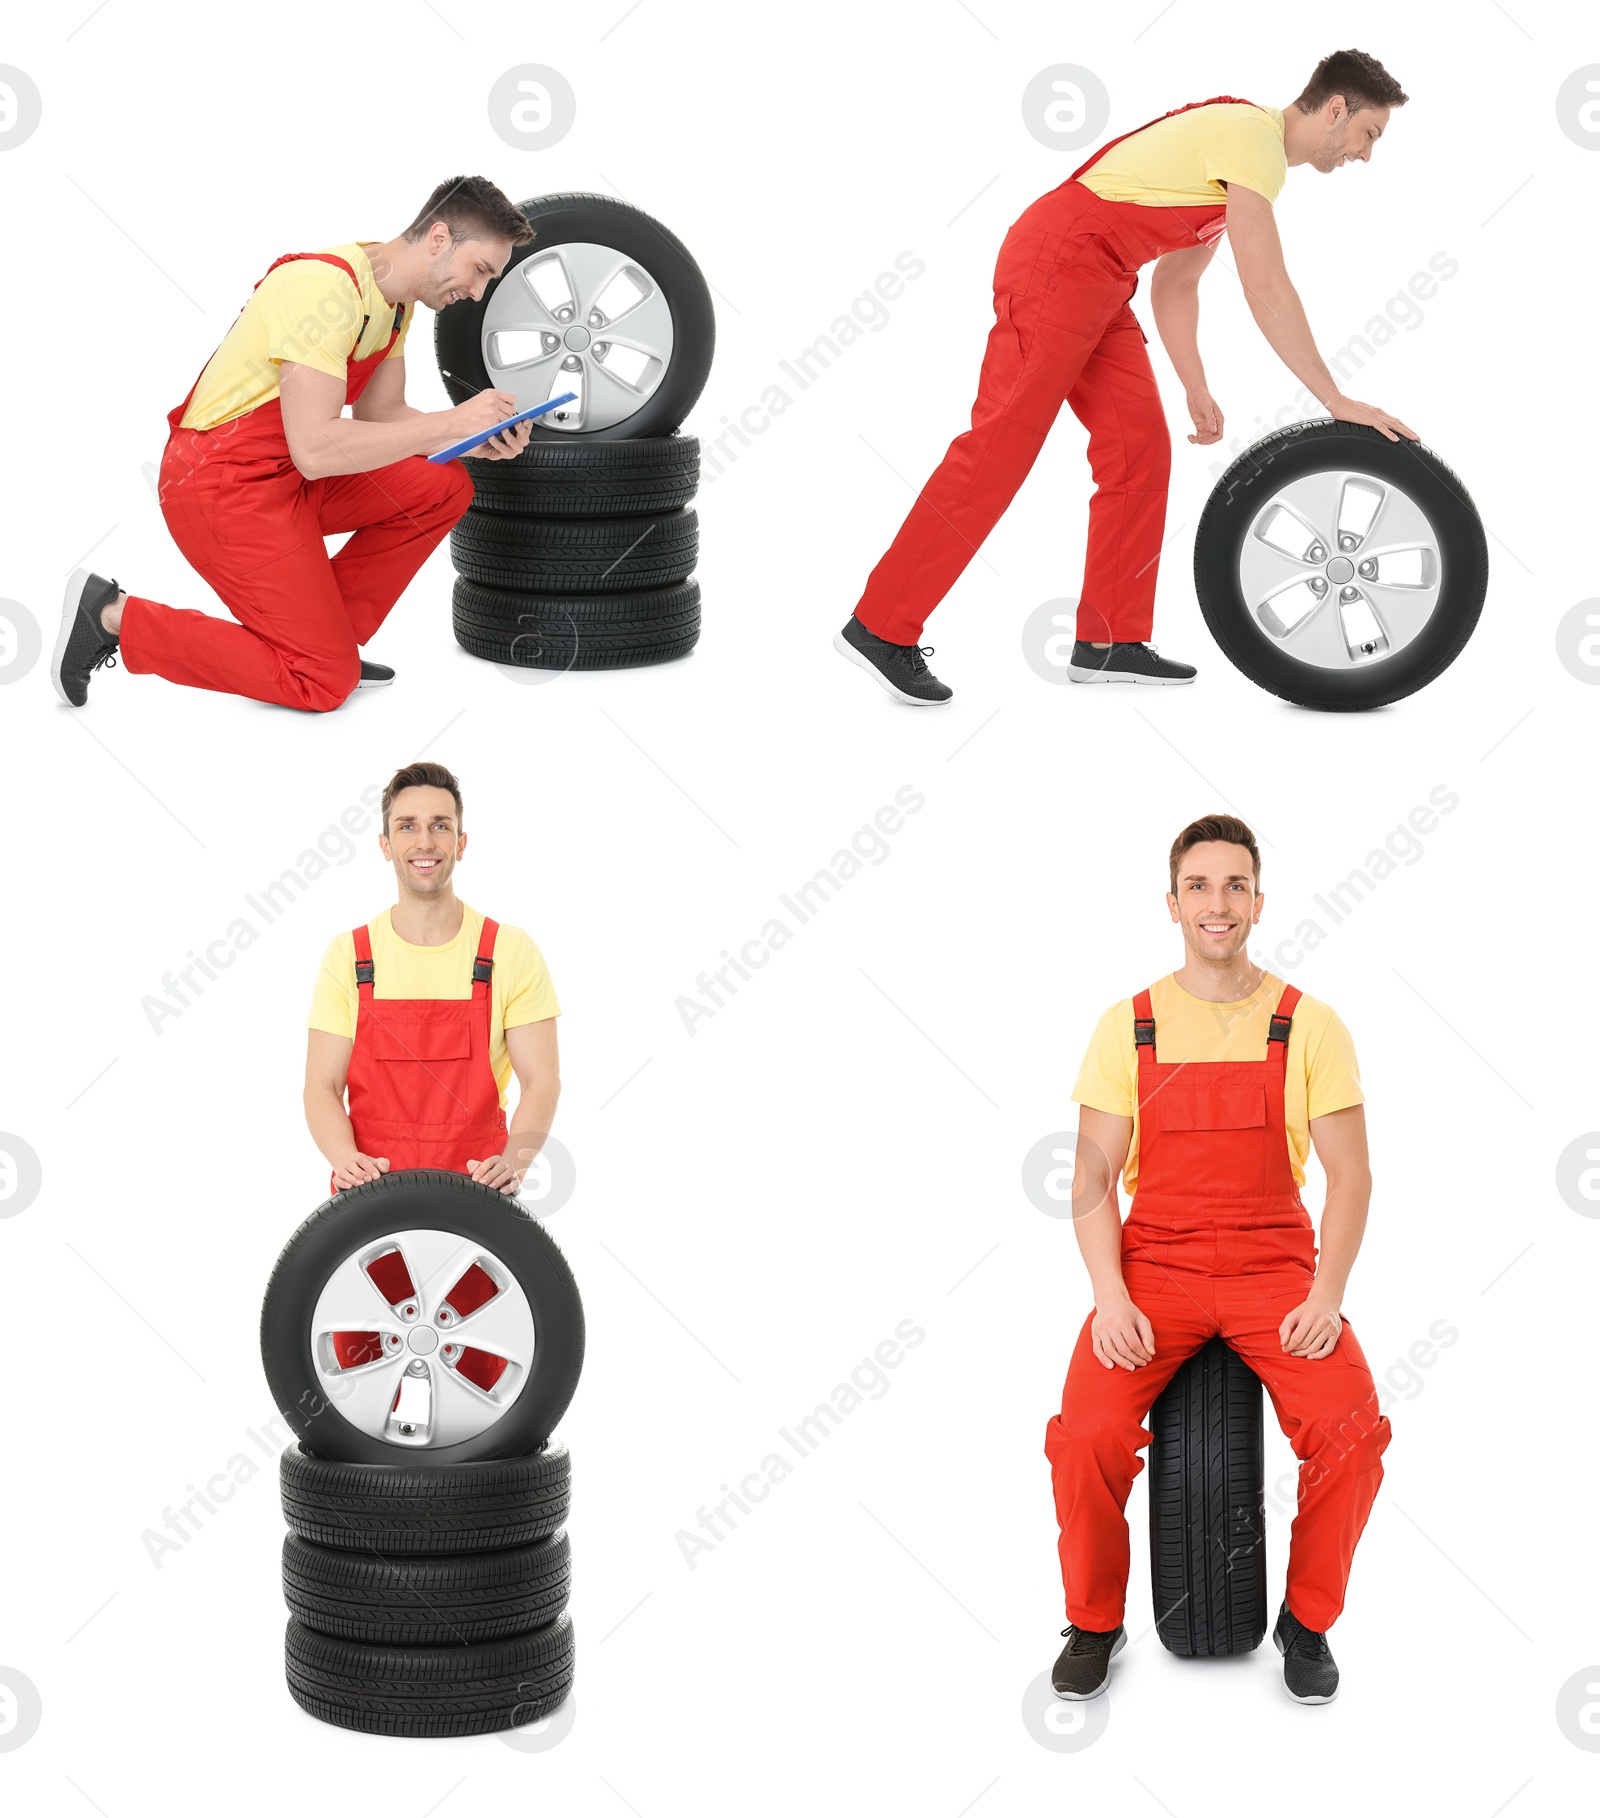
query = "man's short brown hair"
x=420 y=776
x=473 y=209
x=1362 y=80
x=1225 y=827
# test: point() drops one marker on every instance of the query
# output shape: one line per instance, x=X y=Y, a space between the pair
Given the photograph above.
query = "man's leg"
x=1130 y=453
x=1031 y=363
x=254 y=537
x=400 y=514
x=1328 y=1408
x=1093 y=1444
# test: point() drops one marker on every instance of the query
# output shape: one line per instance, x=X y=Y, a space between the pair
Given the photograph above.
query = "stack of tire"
x=423 y=1335
x=579 y=552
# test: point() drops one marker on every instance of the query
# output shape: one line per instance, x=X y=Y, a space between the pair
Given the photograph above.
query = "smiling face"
x=1217 y=903
x=458 y=269
x=1345 y=137
x=424 y=841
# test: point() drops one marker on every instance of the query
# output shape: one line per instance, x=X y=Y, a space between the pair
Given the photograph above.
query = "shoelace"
x=1309 y=1645
x=914 y=653
x=1072 y=1636
x=107 y=659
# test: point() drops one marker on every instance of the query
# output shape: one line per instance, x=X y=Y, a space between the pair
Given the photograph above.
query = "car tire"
x=675 y=300
x=437 y=1600
x=1208 y=1554
x=498 y=1346
x=576 y=555
x=582 y=631
x=1275 y=604
x=558 y=478
x=440 y=1691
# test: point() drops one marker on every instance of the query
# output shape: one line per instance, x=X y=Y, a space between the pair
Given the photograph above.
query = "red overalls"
x=252 y=526
x=1216 y=1240
x=1063 y=331
x=421 y=1089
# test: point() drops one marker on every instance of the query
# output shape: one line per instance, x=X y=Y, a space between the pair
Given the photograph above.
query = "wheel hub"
x=1361 y=605
x=578 y=317
x=422 y=1339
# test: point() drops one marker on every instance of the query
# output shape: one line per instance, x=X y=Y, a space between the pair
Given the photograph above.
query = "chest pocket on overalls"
x=1216 y=1140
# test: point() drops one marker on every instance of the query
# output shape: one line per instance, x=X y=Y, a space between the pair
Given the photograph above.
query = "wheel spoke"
x=607 y=397
x=646 y=325
x=502 y=1325
x=589 y=269
x=365 y=1396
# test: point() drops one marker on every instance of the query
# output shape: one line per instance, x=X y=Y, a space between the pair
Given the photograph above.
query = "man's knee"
x=454 y=488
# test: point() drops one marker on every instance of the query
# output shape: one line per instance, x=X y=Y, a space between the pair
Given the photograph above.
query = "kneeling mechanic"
x=421 y=1016
x=1207 y=1091
x=261 y=464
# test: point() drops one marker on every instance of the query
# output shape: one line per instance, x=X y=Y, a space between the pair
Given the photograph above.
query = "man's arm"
x=322 y=442
x=1121 y=1334
x=1175 y=304
x=1340 y=1140
x=537 y=1065
x=384 y=399
x=1280 y=315
x=327 y=1064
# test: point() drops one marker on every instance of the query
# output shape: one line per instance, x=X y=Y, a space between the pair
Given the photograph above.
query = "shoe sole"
x=1083 y=1697
x=378 y=681
x=1077 y=673
x=71 y=605
x=846 y=649
x=1312 y=1698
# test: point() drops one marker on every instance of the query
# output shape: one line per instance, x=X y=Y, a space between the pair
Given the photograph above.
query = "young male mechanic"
x=1206 y=1091
x=260 y=465
x=1064 y=333
x=421 y=1016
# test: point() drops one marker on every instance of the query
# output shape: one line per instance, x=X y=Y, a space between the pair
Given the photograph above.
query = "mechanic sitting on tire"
x=422 y=1015
x=260 y=466
x=1064 y=333
x=1207 y=1091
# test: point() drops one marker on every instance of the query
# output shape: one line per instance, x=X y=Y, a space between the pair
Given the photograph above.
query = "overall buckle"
x=1144 y=1031
x=1278 y=1028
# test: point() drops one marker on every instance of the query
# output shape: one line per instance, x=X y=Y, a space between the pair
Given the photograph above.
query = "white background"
x=839 y=1149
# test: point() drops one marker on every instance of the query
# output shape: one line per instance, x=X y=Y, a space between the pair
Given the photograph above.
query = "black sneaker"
x=1084 y=1664
x=375 y=675
x=1309 y=1675
x=84 y=643
x=1125 y=663
x=898 y=666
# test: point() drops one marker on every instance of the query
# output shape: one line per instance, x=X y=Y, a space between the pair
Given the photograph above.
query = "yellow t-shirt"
x=1321 y=1074
x=521 y=991
x=1185 y=162
x=307 y=312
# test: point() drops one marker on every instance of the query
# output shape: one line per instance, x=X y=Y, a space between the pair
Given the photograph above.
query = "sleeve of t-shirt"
x=530 y=996
x=1246 y=149
x=1333 y=1080
x=312 y=315
x=334 y=996
x=1104 y=1081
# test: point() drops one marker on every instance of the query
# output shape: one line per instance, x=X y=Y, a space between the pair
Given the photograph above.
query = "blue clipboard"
x=486 y=435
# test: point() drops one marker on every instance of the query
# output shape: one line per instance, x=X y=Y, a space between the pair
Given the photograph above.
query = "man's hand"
x=1352 y=410
x=499 y=1172
x=1312 y=1329
x=357 y=1169
x=1122 y=1335
x=480 y=412
x=505 y=446
x=1206 y=415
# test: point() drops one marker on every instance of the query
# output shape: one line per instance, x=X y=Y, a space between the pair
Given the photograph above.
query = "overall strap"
x=483 y=963
x=363 y=941
x=1188 y=107
x=1282 y=1021
x=1144 y=1031
x=328 y=259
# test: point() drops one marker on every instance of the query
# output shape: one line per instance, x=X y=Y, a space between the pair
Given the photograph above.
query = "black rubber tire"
x=576 y=555
x=439 y=1600
x=1307 y=448
x=557 y=477
x=414 y=1508
x=1208 y=1551
x=603 y=220
x=454 y=1691
x=432 y=1199
x=584 y=631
